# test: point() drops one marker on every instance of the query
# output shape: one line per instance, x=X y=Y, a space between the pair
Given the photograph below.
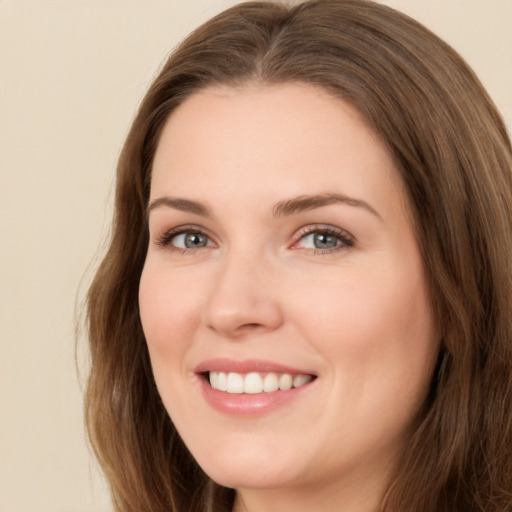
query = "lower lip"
x=245 y=404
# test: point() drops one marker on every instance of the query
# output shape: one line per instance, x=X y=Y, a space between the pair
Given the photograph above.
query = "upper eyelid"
x=184 y=228
x=162 y=238
x=319 y=228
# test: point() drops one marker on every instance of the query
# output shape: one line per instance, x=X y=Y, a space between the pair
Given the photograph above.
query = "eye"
x=185 y=239
x=323 y=239
x=320 y=241
x=190 y=241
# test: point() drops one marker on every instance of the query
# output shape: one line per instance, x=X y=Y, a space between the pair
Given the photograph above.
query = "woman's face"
x=282 y=254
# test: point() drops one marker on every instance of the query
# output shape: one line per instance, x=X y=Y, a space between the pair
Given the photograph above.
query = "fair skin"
x=244 y=276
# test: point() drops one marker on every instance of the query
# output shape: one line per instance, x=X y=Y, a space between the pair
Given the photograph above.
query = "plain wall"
x=72 y=73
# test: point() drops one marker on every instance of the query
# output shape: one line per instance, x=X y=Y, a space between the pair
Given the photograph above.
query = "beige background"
x=71 y=75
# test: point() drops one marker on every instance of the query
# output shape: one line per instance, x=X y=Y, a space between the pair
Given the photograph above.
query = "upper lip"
x=247 y=366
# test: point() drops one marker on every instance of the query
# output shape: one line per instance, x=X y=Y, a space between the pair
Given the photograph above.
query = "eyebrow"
x=310 y=202
x=281 y=209
x=184 y=205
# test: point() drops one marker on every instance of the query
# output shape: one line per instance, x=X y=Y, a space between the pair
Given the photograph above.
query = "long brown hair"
x=454 y=155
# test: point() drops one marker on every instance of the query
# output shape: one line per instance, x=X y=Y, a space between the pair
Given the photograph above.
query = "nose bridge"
x=242 y=297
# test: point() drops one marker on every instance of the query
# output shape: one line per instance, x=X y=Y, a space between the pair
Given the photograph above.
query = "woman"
x=306 y=300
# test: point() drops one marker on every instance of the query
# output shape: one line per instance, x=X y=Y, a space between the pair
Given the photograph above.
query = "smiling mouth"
x=254 y=382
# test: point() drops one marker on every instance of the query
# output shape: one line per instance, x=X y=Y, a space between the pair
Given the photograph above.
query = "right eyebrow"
x=184 y=205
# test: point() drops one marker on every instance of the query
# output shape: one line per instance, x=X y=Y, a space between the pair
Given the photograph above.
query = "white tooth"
x=285 y=382
x=253 y=383
x=214 y=380
x=270 y=383
x=235 y=383
x=222 y=383
x=300 y=380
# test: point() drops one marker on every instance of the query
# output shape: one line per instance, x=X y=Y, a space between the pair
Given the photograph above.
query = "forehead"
x=287 y=138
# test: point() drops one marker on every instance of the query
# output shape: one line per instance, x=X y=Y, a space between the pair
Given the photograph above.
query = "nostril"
x=249 y=327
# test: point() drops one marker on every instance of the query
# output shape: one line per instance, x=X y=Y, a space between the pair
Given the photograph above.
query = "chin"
x=250 y=476
x=249 y=468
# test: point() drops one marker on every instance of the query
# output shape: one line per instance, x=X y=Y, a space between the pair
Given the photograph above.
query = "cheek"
x=170 y=311
x=375 y=325
x=170 y=308
x=365 y=301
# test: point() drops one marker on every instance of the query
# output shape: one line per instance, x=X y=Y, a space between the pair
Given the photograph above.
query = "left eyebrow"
x=310 y=202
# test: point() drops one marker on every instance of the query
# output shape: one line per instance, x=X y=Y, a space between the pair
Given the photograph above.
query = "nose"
x=243 y=299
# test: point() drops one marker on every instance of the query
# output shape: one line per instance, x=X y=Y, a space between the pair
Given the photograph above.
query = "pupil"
x=194 y=240
x=323 y=241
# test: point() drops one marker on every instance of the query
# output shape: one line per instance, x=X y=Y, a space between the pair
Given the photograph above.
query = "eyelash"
x=166 y=239
x=346 y=239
